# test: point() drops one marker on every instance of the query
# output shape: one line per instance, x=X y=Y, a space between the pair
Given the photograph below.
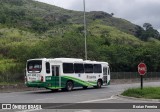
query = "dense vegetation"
x=29 y=29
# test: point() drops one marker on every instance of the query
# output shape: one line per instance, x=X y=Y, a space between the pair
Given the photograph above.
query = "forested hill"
x=30 y=29
x=40 y=17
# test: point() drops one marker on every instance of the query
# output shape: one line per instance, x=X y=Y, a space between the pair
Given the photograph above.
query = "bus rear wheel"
x=69 y=86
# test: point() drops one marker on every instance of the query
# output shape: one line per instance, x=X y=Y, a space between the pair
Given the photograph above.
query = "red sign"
x=142 y=69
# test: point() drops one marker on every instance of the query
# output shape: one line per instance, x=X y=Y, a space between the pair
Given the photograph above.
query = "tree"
x=112 y=14
x=148 y=32
x=147 y=26
x=139 y=31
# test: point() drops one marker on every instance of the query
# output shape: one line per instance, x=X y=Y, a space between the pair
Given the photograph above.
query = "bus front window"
x=34 y=66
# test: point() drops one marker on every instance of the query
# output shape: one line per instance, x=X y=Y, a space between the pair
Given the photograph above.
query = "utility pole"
x=85 y=30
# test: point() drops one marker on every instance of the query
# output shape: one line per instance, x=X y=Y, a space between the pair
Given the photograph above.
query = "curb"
x=142 y=99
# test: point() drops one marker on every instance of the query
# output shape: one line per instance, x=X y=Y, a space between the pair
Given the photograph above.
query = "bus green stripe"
x=84 y=83
x=54 y=87
x=93 y=82
x=108 y=83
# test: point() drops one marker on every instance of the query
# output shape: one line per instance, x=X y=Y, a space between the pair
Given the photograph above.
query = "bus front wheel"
x=99 y=84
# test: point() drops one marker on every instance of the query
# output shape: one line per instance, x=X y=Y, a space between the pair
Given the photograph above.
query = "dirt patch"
x=17 y=88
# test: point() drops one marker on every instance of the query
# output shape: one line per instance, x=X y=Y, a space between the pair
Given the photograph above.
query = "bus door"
x=56 y=76
x=105 y=75
x=108 y=75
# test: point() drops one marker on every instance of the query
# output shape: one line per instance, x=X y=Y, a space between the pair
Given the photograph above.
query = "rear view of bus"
x=34 y=73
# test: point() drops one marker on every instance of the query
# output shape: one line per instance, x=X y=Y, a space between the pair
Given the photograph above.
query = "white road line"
x=29 y=110
x=96 y=93
x=97 y=100
x=88 y=101
x=43 y=99
x=83 y=111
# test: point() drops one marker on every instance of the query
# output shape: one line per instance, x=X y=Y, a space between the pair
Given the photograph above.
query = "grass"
x=147 y=92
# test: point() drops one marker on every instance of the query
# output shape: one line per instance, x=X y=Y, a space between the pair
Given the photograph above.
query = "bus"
x=66 y=73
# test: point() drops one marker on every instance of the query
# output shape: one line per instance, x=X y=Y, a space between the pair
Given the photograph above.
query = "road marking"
x=43 y=99
x=30 y=110
x=88 y=101
x=97 y=100
x=103 y=92
x=83 y=111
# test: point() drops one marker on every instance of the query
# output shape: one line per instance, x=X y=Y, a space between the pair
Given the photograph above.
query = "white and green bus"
x=66 y=73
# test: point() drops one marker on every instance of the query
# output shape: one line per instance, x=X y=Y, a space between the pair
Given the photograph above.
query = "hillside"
x=40 y=17
x=30 y=29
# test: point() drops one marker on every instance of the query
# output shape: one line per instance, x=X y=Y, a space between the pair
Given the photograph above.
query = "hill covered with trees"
x=30 y=29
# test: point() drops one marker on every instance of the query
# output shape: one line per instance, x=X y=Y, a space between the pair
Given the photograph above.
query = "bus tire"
x=84 y=87
x=69 y=86
x=99 y=84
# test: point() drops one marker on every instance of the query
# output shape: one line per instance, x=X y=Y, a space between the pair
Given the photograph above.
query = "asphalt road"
x=90 y=95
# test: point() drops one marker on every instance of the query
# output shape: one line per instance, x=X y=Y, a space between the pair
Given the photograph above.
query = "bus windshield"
x=35 y=65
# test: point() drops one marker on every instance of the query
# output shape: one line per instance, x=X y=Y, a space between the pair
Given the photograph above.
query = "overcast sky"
x=136 y=11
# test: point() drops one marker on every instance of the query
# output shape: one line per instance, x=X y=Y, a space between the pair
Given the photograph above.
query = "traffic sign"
x=142 y=68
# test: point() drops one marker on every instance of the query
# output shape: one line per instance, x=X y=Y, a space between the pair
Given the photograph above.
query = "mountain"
x=31 y=29
x=41 y=17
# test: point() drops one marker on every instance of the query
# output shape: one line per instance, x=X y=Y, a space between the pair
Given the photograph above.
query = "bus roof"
x=68 y=59
x=71 y=60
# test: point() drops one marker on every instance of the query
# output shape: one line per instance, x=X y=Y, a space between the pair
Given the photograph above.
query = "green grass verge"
x=148 y=92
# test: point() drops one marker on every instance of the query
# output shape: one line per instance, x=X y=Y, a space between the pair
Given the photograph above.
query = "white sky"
x=136 y=11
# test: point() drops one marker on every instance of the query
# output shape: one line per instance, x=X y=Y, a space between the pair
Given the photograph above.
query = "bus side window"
x=68 y=68
x=97 y=68
x=47 y=67
x=88 y=68
x=78 y=68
